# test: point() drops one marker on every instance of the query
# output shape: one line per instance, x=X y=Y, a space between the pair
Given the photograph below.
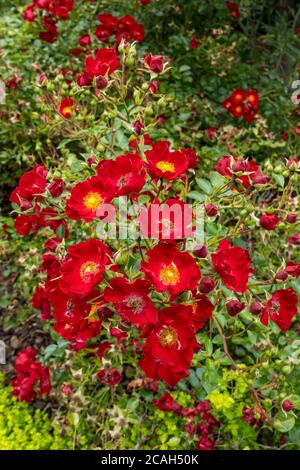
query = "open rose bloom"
x=151 y=243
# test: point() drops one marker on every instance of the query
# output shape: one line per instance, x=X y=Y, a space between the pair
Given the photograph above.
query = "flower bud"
x=201 y=251
x=56 y=187
x=207 y=285
x=256 y=308
x=281 y=276
x=211 y=210
x=234 y=307
x=287 y=405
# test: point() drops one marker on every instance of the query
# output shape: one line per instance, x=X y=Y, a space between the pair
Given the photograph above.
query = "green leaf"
x=204 y=185
x=284 y=425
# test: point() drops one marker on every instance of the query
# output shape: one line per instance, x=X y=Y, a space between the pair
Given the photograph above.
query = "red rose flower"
x=171 y=270
x=106 y=62
x=202 y=309
x=66 y=108
x=77 y=319
x=155 y=63
x=170 y=344
x=232 y=263
x=32 y=378
x=131 y=300
x=170 y=220
x=126 y=174
x=84 y=267
x=163 y=163
x=234 y=10
x=227 y=166
x=269 y=221
x=293 y=269
x=194 y=43
x=167 y=403
x=29 y=14
x=87 y=199
x=281 y=308
x=31 y=184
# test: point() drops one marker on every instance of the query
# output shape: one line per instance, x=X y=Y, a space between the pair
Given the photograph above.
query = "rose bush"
x=206 y=333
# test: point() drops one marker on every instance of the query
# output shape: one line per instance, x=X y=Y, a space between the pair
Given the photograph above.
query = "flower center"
x=135 y=303
x=87 y=270
x=238 y=97
x=124 y=180
x=165 y=166
x=251 y=98
x=275 y=307
x=92 y=200
x=168 y=337
x=93 y=314
x=238 y=109
x=67 y=111
x=169 y=275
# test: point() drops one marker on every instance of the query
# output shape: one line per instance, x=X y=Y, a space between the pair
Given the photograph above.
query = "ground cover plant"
x=150 y=224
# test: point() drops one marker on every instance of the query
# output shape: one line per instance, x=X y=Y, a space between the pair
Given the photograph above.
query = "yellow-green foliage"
x=23 y=428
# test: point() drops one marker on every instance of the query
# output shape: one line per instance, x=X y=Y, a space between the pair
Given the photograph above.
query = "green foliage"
x=22 y=428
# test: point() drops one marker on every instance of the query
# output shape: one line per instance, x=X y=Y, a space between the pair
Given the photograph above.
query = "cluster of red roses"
x=54 y=9
x=32 y=378
x=125 y=28
x=28 y=194
x=70 y=289
x=199 y=420
x=242 y=103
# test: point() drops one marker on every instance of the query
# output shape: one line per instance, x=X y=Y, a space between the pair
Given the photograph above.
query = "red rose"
x=155 y=63
x=227 y=166
x=170 y=344
x=163 y=163
x=131 y=300
x=293 y=269
x=32 y=378
x=84 y=267
x=167 y=403
x=202 y=309
x=87 y=199
x=234 y=10
x=269 y=221
x=171 y=270
x=194 y=43
x=29 y=14
x=126 y=174
x=106 y=62
x=66 y=108
x=281 y=308
x=170 y=220
x=31 y=184
x=232 y=263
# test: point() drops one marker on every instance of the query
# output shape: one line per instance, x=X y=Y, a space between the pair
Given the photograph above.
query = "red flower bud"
x=211 y=210
x=281 y=276
x=138 y=126
x=256 y=308
x=201 y=252
x=287 y=405
x=269 y=221
x=101 y=82
x=291 y=218
x=56 y=187
x=206 y=285
x=234 y=307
